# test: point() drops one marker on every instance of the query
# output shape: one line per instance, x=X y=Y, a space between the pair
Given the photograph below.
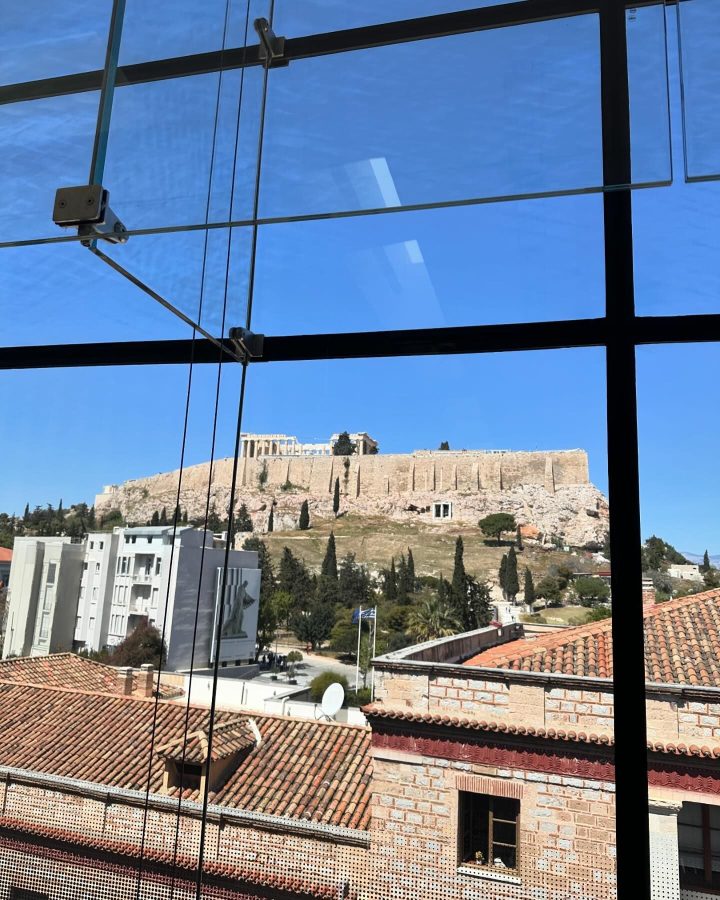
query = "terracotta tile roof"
x=257 y=877
x=68 y=670
x=5 y=554
x=229 y=737
x=682 y=646
x=301 y=769
x=556 y=734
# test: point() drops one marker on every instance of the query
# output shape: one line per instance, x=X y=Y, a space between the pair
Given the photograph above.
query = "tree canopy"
x=343 y=446
x=496 y=524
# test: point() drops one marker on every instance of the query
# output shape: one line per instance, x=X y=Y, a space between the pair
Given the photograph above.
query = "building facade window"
x=442 y=511
x=699 y=846
x=488 y=830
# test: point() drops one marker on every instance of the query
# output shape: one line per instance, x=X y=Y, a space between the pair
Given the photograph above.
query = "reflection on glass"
x=457 y=266
x=699 y=31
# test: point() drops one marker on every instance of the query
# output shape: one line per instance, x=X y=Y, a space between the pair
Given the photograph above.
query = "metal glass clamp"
x=86 y=207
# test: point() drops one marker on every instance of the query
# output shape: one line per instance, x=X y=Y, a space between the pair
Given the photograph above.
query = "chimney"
x=125 y=680
x=145 y=681
x=648 y=592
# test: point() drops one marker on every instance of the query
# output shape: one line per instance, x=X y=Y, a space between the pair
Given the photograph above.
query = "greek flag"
x=363 y=614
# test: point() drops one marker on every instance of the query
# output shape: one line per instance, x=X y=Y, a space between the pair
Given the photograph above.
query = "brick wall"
x=262 y=852
x=566 y=833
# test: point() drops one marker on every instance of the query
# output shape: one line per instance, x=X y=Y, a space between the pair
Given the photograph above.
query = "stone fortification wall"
x=550 y=490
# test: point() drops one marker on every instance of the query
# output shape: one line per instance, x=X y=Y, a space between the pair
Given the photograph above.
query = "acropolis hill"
x=548 y=490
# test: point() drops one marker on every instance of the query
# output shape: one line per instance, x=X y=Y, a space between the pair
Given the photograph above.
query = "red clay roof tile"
x=682 y=639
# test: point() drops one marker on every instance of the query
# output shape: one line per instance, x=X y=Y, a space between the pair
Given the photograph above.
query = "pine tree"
x=529 y=588
x=411 y=571
x=512 y=585
x=155 y=519
x=163 y=517
x=502 y=575
x=458 y=578
x=336 y=497
x=329 y=565
x=518 y=539
x=271 y=520
x=304 y=522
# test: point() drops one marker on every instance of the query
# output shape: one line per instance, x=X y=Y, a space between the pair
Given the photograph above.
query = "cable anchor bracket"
x=272 y=48
x=246 y=343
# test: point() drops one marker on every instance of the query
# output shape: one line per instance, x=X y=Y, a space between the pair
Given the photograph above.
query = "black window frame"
x=472 y=806
x=620 y=331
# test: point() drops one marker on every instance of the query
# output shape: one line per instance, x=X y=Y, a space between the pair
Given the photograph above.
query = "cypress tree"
x=705 y=567
x=390 y=586
x=185 y=517
x=26 y=514
x=518 y=540
x=155 y=518
x=329 y=565
x=91 y=519
x=529 y=588
x=336 y=497
x=243 y=522
x=304 y=522
x=458 y=578
x=512 y=585
x=411 y=571
x=271 y=520
x=502 y=576
x=163 y=516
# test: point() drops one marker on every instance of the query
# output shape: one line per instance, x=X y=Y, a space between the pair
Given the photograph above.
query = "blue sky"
x=510 y=113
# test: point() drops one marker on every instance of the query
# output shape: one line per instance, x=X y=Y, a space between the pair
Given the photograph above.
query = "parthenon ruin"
x=254 y=445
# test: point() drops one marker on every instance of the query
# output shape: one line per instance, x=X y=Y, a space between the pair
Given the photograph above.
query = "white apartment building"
x=93 y=594
x=42 y=596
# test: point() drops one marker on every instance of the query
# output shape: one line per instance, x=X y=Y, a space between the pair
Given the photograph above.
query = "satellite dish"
x=332 y=699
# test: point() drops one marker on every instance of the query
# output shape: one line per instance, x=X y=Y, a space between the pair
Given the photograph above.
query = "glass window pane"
x=47 y=144
x=648 y=84
x=699 y=26
x=44 y=39
x=683 y=279
x=62 y=293
x=335 y=139
x=430 y=268
x=316 y=16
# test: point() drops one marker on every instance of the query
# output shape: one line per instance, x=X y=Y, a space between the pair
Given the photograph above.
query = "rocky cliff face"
x=550 y=491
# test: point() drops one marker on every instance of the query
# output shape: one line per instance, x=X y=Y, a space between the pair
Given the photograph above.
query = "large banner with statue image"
x=239 y=602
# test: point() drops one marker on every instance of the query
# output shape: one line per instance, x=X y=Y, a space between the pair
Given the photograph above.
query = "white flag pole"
x=357 y=658
x=372 y=672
